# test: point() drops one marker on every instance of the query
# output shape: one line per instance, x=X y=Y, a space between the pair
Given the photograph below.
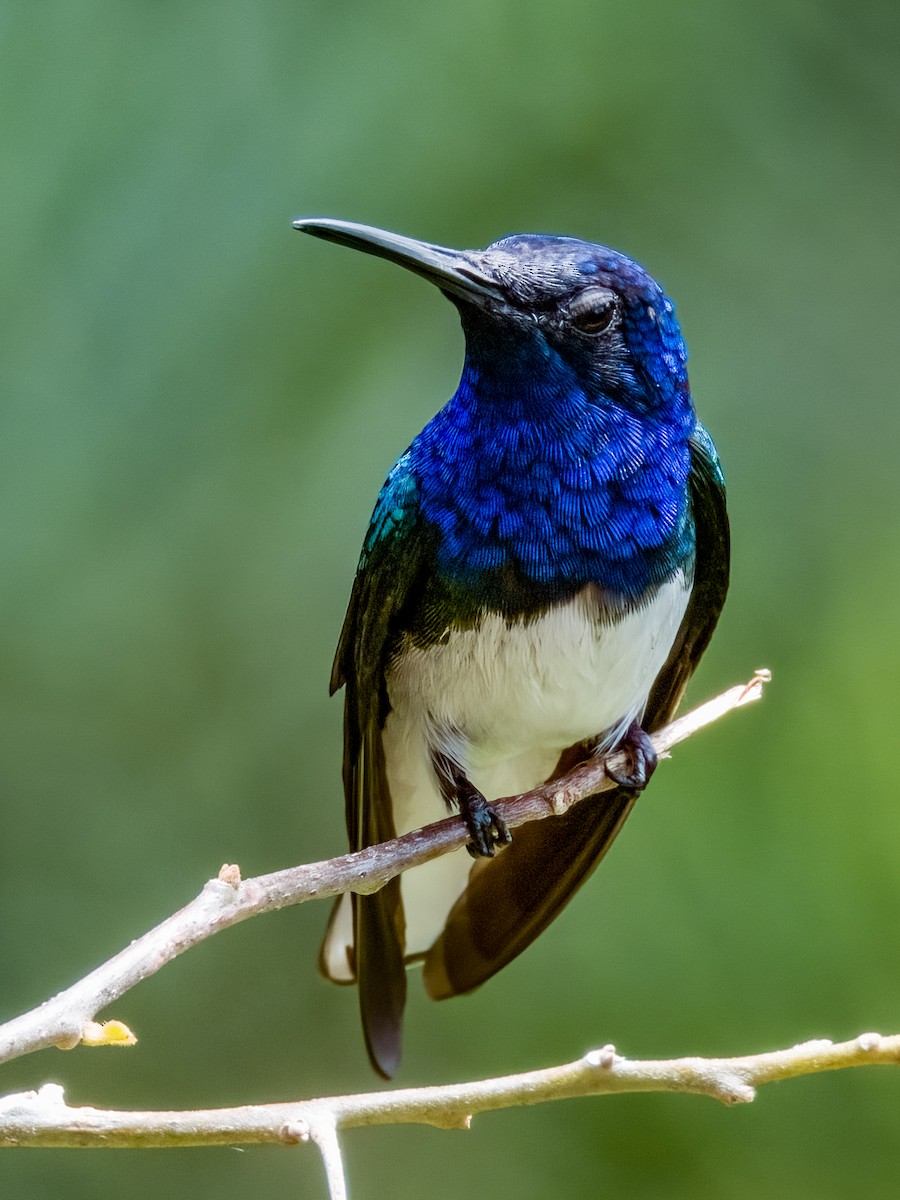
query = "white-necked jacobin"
x=543 y=570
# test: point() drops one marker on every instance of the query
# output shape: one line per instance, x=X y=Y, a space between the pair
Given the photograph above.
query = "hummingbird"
x=543 y=570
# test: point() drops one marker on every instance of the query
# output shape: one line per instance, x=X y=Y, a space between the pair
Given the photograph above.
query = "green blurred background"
x=199 y=407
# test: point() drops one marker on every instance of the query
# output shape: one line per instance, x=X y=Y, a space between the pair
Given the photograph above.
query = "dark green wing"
x=514 y=897
x=386 y=584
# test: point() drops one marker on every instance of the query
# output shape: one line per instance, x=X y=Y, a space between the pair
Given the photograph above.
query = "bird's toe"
x=640 y=760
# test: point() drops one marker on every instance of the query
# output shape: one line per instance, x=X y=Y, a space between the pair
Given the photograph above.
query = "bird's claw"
x=640 y=757
x=486 y=828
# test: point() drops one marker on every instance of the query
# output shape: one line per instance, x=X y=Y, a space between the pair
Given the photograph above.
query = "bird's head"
x=549 y=313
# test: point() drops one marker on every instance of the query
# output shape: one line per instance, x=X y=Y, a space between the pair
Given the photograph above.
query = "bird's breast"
x=504 y=686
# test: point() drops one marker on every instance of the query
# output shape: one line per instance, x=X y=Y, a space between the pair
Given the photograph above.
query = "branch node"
x=731 y=1090
x=68 y=1041
x=869 y=1042
x=605 y=1057
x=753 y=689
x=295 y=1133
x=49 y=1096
x=558 y=804
x=221 y=892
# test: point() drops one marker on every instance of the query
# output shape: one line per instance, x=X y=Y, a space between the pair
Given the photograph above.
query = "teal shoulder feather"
x=387 y=580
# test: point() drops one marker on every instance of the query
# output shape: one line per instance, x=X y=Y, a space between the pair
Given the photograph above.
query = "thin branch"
x=320 y=1127
x=44 y=1119
x=225 y=901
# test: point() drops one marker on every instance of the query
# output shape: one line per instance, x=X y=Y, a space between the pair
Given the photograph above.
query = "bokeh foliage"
x=198 y=409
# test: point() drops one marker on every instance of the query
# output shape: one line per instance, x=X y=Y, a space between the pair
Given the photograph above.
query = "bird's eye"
x=594 y=310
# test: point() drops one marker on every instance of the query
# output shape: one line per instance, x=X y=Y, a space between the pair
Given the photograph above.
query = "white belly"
x=504 y=701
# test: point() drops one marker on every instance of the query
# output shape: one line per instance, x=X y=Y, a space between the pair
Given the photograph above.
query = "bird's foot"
x=486 y=828
x=640 y=758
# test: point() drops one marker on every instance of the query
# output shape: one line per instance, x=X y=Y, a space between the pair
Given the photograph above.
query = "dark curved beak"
x=455 y=271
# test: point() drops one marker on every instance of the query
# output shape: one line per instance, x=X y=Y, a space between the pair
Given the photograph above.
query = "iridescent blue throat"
x=563 y=488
